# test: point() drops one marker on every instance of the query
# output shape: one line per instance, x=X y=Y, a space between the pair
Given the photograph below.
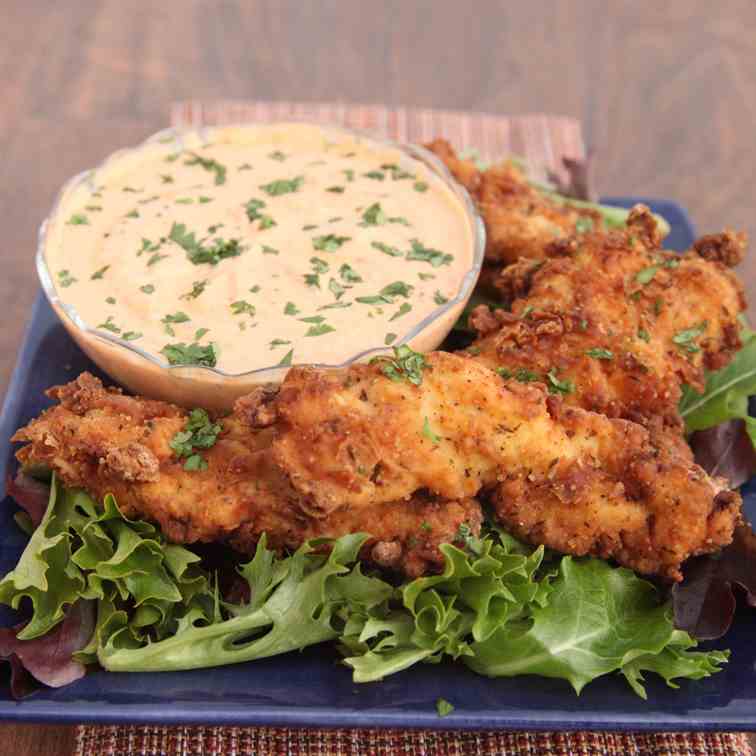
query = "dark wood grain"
x=667 y=92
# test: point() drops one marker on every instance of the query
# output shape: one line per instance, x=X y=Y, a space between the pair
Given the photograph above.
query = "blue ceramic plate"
x=311 y=688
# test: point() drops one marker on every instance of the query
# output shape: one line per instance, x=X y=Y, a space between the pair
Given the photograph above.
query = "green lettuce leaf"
x=726 y=394
x=294 y=603
x=505 y=610
x=598 y=619
x=498 y=606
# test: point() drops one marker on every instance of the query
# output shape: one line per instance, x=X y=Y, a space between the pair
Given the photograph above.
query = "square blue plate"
x=311 y=688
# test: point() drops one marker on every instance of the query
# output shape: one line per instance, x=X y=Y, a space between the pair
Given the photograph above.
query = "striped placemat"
x=543 y=140
x=265 y=741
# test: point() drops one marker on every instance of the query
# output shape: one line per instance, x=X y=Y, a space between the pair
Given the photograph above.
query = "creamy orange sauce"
x=268 y=245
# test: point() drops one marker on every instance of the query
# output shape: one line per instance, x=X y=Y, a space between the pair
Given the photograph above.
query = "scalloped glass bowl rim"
x=176 y=135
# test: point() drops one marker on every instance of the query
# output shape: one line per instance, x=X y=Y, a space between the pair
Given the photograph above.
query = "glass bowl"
x=149 y=374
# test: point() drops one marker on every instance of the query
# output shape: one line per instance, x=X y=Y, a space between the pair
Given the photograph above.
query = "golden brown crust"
x=105 y=442
x=356 y=451
x=520 y=220
x=574 y=480
x=606 y=312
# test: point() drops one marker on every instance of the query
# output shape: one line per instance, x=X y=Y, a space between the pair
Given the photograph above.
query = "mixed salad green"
x=499 y=607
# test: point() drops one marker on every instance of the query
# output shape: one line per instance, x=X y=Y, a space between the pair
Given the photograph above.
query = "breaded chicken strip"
x=615 y=324
x=576 y=481
x=520 y=220
x=104 y=442
x=367 y=449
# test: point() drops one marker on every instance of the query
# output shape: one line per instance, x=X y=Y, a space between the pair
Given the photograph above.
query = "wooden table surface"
x=667 y=92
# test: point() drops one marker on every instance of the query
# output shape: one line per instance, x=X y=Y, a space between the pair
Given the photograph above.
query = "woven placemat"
x=543 y=140
x=264 y=741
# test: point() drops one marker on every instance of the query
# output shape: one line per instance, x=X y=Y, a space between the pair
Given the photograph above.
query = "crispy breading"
x=520 y=220
x=105 y=442
x=616 y=324
x=335 y=452
x=574 y=480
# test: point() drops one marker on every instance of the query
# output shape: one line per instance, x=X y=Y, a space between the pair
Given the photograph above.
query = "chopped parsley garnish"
x=523 y=375
x=425 y=276
x=375 y=299
x=110 y=300
x=98 y=274
x=313 y=319
x=131 y=335
x=390 y=339
x=426 y=254
x=335 y=306
x=199 y=433
x=204 y=200
x=93 y=208
x=319 y=330
x=349 y=173
x=267 y=250
x=254 y=289
x=309 y=227
x=155 y=258
x=406 y=364
x=278 y=342
x=386 y=249
x=277 y=155
x=439 y=298
x=282 y=186
x=319 y=265
x=583 y=225
x=286 y=361
x=397 y=289
x=420 y=186
x=396 y=172
x=184 y=201
x=176 y=317
x=209 y=165
x=644 y=335
x=242 y=307
x=329 y=242
x=190 y=354
x=443 y=707
x=429 y=434
x=312 y=279
x=373 y=216
x=336 y=288
x=65 y=279
x=599 y=353
x=291 y=309
x=426 y=526
x=348 y=274
x=78 y=219
x=131 y=189
x=646 y=275
x=133 y=214
x=199 y=254
x=335 y=189
x=200 y=332
x=148 y=246
x=147 y=288
x=403 y=310
x=375 y=175
x=253 y=208
x=557 y=386
x=686 y=339
x=109 y=325
x=166 y=178
x=658 y=305
x=197 y=288
x=245 y=167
